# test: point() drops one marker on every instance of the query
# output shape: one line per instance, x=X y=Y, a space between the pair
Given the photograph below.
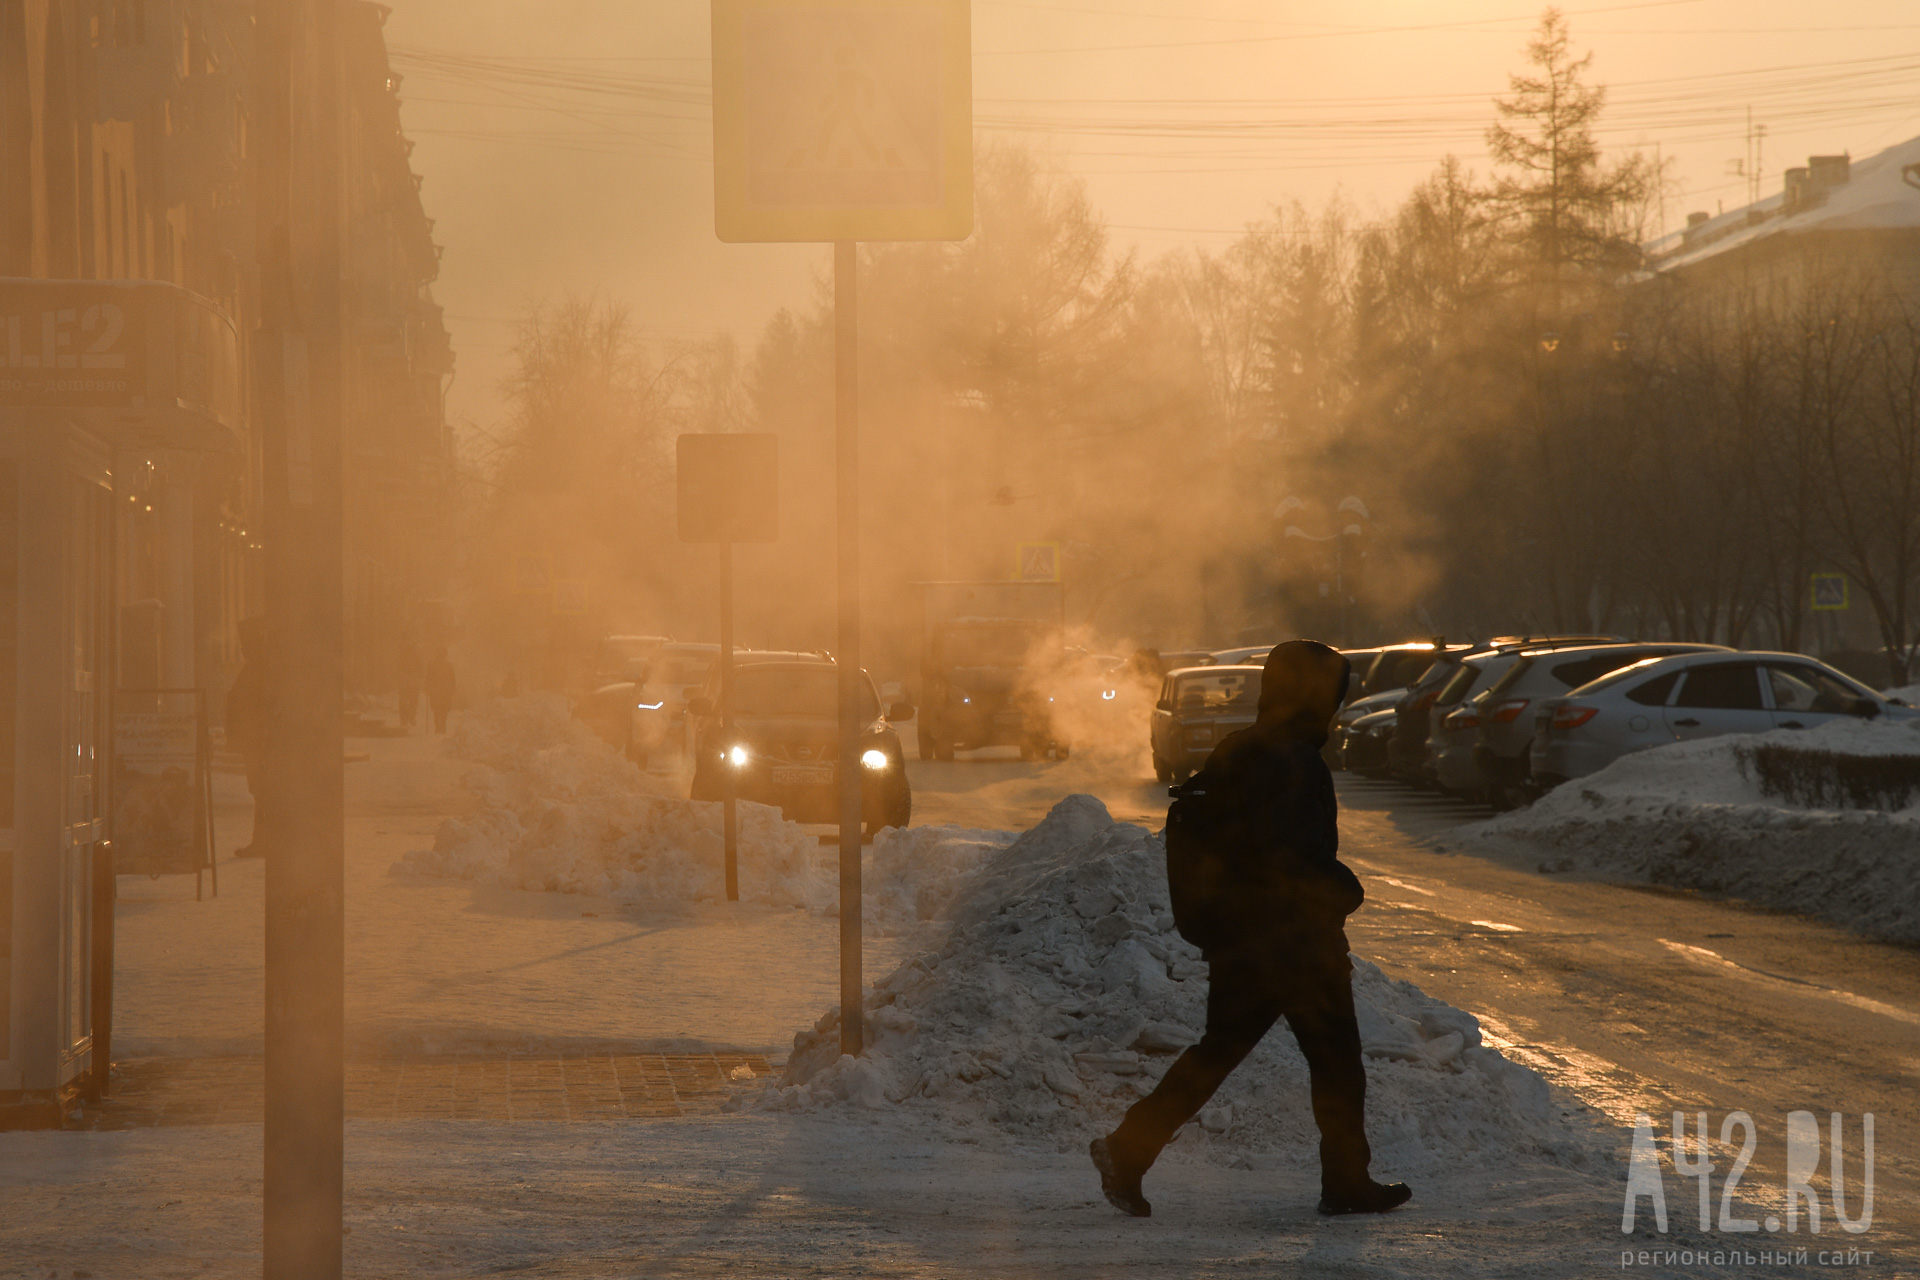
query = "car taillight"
x=1509 y=711
x=1465 y=718
x=1572 y=715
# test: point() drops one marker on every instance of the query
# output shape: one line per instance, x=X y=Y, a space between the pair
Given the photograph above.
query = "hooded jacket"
x=1292 y=889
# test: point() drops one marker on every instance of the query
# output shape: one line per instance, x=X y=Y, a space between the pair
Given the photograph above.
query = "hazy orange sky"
x=566 y=145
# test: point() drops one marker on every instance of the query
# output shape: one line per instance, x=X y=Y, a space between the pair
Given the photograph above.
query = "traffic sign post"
x=728 y=491
x=841 y=121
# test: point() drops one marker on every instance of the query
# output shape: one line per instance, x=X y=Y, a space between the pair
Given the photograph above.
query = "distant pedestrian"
x=410 y=675
x=247 y=729
x=439 y=686
x=1252 y=841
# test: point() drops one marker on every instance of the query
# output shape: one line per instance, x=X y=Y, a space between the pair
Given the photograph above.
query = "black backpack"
x=1203 y=836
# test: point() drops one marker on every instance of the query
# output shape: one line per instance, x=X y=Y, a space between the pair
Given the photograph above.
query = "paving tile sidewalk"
x=504 y=1088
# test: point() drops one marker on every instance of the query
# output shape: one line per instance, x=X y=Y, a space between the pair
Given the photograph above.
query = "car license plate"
x=801 y=775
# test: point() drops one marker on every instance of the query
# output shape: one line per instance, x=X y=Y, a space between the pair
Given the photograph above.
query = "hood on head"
x=1302 y=687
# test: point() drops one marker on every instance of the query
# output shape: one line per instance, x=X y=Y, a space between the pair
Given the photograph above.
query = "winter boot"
x=1119 y=1181
x=1368 y=1197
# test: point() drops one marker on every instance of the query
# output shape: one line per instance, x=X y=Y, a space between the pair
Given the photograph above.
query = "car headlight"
x=738 y=757
x=1108 y=695
x=874 y=758
x=648 y=706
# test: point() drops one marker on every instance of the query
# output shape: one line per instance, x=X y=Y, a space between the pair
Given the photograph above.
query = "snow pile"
x=1907 y=693
x=911 y=874
x=1062 y=993
x=559 y=810
x=1693 y=815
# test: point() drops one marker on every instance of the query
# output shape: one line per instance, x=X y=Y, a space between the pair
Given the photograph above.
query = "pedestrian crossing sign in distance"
x=842 y=120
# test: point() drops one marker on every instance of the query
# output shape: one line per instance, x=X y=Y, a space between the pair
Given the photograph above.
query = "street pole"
x=730 y=823
x=300 y=365
x=846 y=336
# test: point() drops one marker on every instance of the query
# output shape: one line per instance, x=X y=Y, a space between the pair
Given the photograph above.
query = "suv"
x=1502 y=754
x=783 y=749
x=1691 y=696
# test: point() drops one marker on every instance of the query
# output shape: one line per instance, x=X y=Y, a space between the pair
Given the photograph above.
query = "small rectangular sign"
x=842 y=120
x=1038 y=562
x=1830 y=592
x=158 y=793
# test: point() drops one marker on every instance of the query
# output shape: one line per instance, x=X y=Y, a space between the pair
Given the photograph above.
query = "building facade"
x=130 y=466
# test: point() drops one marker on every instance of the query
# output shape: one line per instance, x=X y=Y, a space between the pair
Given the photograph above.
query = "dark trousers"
x=1246 y=995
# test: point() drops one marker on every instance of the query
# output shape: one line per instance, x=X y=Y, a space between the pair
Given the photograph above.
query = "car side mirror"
x=899 y=712
x=697 y=706
x=1165 y=704
x=1865 y=708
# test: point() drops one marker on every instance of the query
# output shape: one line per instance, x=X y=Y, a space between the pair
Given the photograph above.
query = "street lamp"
x=1339 y=541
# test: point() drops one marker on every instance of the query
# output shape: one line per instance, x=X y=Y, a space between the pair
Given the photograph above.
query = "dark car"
x=783 y=749
x=981 y=689
x=1363 y=749
x=1197 y=707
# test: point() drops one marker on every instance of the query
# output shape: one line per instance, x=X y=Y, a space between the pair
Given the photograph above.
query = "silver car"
x=1501 y=752
x=1696 y=695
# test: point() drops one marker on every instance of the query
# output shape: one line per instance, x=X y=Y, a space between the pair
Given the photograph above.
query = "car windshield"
x=782 y=690
x=1229 y=689
x=989 y=644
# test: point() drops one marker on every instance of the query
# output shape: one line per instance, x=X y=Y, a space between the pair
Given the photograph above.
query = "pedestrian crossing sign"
x=1830 y=591
x=842 y=120
x=1038 y=562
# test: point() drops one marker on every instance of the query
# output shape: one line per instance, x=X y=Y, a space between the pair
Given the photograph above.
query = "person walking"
x=1252 y=842
x=246 y=717
x=439 y=685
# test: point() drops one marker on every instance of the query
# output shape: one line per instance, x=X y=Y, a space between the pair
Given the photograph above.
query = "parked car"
x=1455 y=721
x=1197 y=707
x=1691 y=696
x=1364 y=746
x=783 y=747
x=1396 y=666
x=1502 y=752
x=1407 y=748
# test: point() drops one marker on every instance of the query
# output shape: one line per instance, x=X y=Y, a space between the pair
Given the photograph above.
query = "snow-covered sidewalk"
x=1699 y=815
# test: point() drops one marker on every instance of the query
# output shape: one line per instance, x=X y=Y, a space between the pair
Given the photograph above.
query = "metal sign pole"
x=730 y=823
x=846 y=334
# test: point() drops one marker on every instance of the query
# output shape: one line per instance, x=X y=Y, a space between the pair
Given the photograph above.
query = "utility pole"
x=299 y=365
x=846 y=415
